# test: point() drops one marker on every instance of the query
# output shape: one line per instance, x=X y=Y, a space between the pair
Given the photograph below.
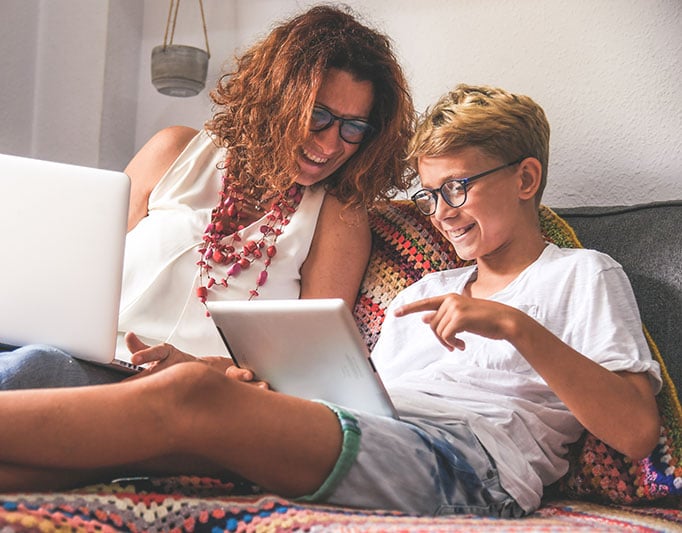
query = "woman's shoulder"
x=150 y=163
x=172 y=140
x=161 y=150
x=335 y=209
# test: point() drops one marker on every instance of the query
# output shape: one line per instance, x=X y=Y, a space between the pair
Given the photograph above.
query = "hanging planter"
x=179 y=70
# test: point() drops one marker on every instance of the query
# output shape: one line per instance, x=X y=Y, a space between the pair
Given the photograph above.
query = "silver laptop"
x=62 y=235
x=306 y=348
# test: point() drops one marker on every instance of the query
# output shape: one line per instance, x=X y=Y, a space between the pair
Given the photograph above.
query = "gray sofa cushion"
x=647 y=240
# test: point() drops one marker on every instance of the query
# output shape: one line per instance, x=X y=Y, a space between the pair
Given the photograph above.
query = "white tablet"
x=306 y=348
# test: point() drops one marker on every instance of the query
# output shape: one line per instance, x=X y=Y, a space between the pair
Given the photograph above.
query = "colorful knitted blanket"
x=195 y=504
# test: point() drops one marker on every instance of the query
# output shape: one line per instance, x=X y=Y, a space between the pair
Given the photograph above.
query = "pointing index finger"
x=426 y=304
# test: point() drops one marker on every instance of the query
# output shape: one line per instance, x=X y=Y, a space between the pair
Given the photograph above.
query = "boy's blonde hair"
x=503 y=125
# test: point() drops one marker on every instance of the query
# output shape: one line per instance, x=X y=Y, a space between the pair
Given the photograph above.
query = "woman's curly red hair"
x=266 y=103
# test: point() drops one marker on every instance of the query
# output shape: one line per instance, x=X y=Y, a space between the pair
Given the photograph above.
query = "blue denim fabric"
x=413 y=466
x=41 y=366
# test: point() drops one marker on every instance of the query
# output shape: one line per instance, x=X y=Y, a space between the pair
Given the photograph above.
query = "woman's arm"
x=338 y=254
x=149 y=164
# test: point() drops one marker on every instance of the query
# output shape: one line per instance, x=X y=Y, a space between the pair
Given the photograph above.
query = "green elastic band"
x=349 y=451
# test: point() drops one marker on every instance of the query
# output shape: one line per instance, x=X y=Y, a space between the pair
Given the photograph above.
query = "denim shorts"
x=413 y=466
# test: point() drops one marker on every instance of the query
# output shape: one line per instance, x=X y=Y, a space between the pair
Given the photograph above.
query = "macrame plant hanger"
x=177 y=69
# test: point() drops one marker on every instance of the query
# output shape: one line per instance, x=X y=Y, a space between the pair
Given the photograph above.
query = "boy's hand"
x=451 y=314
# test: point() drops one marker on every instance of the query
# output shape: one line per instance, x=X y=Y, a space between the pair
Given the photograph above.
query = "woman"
x=268 y=201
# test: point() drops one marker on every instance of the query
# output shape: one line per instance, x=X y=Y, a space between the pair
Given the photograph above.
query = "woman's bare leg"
x=284 y=444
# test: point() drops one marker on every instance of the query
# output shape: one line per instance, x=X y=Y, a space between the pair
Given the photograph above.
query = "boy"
x=544 y=341
x=494 y=369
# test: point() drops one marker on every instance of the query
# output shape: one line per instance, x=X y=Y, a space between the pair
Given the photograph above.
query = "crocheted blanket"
x=195 y=504
x=406 y=247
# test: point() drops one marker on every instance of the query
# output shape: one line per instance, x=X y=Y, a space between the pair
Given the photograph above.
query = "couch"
x=603 y=490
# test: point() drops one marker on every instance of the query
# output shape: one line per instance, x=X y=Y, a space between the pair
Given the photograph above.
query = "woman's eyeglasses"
x=352 y=130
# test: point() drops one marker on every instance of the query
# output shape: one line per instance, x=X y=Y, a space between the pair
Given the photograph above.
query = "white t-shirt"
x=582 y=296
x=160 y=276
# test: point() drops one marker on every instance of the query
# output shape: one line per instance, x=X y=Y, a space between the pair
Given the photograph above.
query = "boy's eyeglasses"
x=454 y=191
x=352 y=130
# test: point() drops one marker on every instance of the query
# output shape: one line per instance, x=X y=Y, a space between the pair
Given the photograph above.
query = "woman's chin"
x=310 y=175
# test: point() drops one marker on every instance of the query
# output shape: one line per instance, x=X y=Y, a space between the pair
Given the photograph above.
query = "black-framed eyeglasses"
x=352 y=130
x=454 y=191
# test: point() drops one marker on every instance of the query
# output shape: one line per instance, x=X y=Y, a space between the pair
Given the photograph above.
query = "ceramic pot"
x=179 y=70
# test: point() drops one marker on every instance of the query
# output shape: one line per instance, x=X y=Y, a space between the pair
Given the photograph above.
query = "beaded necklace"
x=222 y=242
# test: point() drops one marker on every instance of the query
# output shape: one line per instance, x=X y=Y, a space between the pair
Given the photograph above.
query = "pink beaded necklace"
x=222 y=242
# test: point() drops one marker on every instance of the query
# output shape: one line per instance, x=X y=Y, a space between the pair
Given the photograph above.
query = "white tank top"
x=160 y=275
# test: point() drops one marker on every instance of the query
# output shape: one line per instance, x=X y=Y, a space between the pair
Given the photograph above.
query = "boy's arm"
x=617 y=407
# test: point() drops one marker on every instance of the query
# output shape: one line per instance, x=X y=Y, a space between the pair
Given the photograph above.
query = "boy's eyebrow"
x=449 y=177
x=465 y=175
x=477 y=175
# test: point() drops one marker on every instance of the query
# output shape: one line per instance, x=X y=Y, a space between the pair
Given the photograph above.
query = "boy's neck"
x=499 y=269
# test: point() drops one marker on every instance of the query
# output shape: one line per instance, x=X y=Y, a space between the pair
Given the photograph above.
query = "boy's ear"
x=531 y=175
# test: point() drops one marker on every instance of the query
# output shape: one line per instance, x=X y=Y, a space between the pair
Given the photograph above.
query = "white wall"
x=69 y=80
x=18 y=37
x=607 y=73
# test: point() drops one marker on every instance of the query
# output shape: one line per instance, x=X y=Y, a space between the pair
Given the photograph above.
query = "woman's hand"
x=244 y=374
x=164 y=355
